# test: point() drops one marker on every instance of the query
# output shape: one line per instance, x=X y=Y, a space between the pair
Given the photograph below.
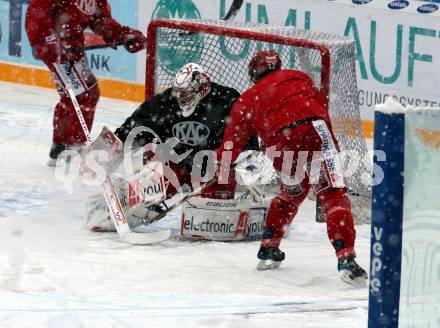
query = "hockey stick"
x=184 y=199
x=113 y=203
x=230 y=15
x=233 y=10
x=113 y=45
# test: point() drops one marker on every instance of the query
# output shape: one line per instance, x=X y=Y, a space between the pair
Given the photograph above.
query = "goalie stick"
x=114 y=205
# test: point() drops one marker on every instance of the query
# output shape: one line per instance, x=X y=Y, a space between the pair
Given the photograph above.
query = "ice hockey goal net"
x=224 y=49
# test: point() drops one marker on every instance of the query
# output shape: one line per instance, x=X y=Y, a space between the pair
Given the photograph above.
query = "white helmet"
x=190 y=85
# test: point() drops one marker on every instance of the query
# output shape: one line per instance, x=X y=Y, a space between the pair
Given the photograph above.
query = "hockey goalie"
x=166 y=138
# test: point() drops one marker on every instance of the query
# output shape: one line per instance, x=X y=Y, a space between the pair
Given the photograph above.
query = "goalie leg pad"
x=140 y=196
x=98 y=217
x=222 y=219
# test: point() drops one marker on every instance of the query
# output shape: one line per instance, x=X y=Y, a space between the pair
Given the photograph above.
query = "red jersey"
x=276 y=100
x=67 y=19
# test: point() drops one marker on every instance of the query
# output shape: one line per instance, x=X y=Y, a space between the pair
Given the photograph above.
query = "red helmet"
x=262 y=63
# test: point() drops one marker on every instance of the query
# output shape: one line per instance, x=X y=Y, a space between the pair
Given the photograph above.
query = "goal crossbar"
x=230 y=32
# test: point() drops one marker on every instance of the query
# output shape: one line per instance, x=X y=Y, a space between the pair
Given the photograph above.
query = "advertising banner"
x=397 y=42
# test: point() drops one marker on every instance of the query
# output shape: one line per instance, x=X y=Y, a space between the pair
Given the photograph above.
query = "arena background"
x=397 y=43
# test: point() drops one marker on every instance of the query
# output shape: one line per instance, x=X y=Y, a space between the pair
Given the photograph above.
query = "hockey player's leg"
x=88 y=100
x=284 y=207
x=332 y=194
x=342 y=234
x=281 y=213
x=59 y=132
x=67 y=131
x=278 y=218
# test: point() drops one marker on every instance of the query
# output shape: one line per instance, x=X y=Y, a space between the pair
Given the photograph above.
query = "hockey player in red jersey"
x=290 y=115
x=55 y=28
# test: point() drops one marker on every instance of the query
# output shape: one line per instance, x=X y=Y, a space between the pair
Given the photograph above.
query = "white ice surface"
x=55 y=273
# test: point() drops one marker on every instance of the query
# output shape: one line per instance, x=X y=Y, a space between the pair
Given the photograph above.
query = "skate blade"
x=102 y=229
x=51 y=162
x=358 y=282
x=268 y=264
x=54 y=162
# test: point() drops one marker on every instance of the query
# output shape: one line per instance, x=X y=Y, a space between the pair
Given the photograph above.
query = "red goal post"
x=224 y=49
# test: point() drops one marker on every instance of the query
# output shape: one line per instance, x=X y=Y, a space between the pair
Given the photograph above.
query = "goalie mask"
x=190 y=85
x=263 y=63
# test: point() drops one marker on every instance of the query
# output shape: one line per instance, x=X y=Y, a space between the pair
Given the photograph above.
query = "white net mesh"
x=225 y=55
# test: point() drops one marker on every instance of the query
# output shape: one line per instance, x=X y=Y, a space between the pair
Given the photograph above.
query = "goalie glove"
x=134 y=40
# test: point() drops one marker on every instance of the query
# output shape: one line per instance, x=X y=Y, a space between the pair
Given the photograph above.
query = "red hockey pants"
x=303 y=148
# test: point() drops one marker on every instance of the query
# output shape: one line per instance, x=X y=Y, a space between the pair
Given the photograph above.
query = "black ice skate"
x=351 y=272
x=55 y=151
x=270 y=258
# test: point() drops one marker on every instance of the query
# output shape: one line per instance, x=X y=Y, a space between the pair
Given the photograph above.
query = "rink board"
x=405 y=244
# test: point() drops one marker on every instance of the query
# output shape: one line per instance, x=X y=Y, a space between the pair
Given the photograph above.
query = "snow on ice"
x=56 y=273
